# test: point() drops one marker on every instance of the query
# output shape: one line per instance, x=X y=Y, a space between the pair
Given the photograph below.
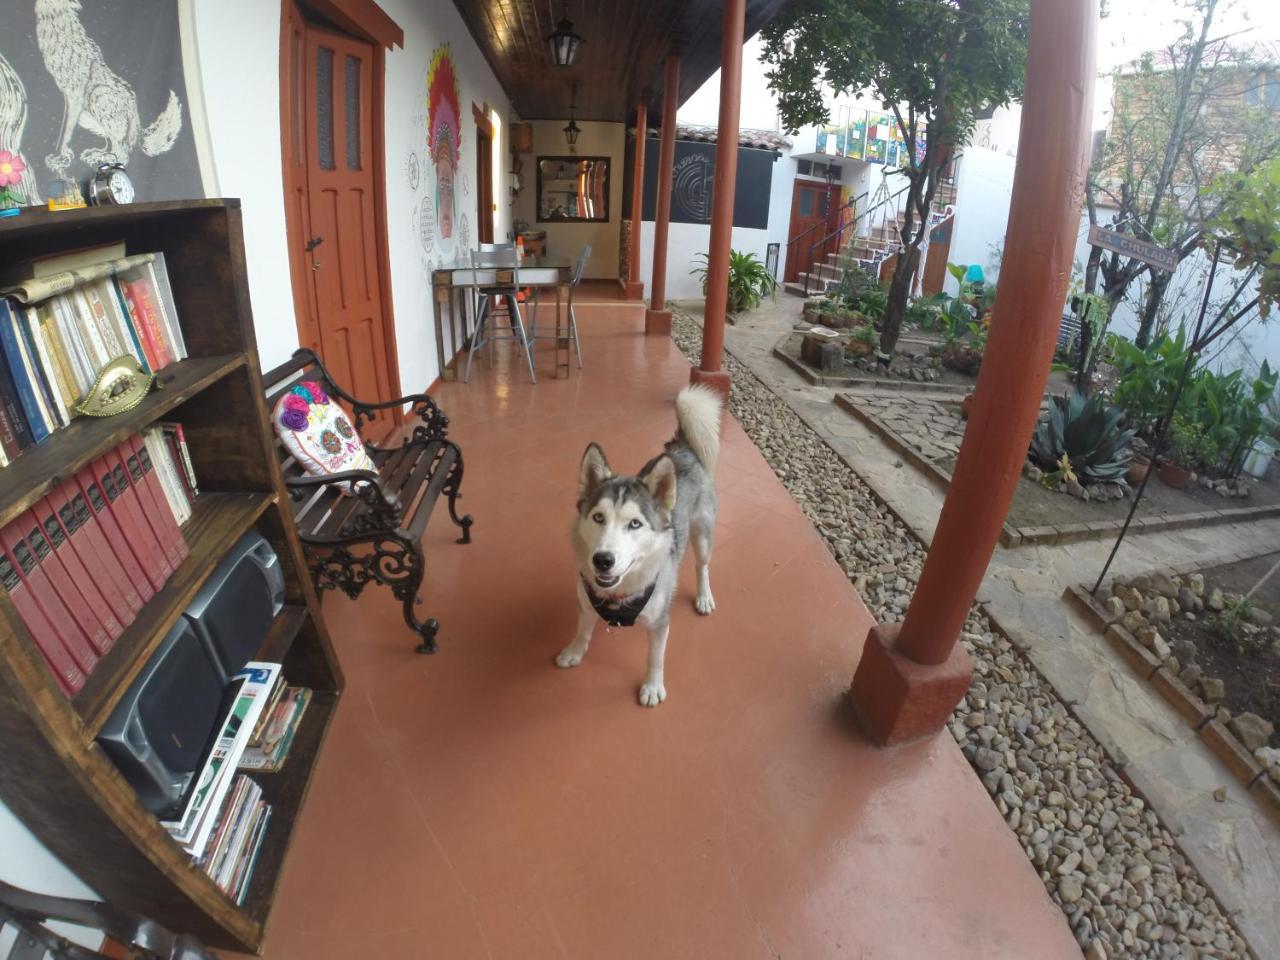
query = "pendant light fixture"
x=572 y=130
x=564 y=42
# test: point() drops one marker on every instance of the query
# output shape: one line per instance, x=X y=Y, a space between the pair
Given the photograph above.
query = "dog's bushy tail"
x=698 y=411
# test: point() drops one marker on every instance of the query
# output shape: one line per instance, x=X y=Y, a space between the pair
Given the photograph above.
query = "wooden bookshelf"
x=52 y=773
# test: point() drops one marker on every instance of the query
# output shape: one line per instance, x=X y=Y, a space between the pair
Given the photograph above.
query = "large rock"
x=1259 y=616
x=1133 y=598
x=1185 y=650
x=1157 y=609
x=1216 y=603
x=1196 y=582
x=1147 y=635
x=1212 y=689
x=1164 y=585
x=1186 y=599
x=1253 y=731
x=1115 y=606
x=826 y=355
x=1133 y=621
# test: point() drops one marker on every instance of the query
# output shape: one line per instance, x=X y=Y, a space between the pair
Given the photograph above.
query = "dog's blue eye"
x=635 y=524
x=598 y=517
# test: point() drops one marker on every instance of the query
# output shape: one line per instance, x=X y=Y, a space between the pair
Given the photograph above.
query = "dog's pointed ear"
x=594 y=471
x=660 y=479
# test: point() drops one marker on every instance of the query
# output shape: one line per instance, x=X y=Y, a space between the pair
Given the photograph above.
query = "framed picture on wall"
x=573 y=189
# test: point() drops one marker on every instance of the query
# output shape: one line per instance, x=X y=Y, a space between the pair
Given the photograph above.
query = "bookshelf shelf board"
x=32 y=475
x=36 y=222
x=284 y=629
x=218 y=520
x=285 y=790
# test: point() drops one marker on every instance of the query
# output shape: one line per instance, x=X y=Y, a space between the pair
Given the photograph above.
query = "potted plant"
x=1139 y=467
x=1175 y=469
x=863 y=342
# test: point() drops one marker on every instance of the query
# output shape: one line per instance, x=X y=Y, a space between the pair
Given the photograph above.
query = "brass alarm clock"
x=110 y=185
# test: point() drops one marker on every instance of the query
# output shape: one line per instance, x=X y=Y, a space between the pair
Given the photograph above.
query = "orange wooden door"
x=342 y=249
x=813 y=208
x=484 y=185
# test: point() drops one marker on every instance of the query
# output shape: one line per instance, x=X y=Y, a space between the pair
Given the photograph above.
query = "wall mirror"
x=573 y=189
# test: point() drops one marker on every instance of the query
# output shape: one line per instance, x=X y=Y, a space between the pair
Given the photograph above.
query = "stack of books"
x=223 y=820
x=63 y=319
x=269 y=745
x=82 y=562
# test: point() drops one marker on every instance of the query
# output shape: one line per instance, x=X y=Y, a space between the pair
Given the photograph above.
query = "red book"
x=142 y=307
x=66 y=575
x=35 y=566
x=156 y=513
x=83 y=584
x=129 y=514
x=120 y=551
x=143 y=473
x=102 y=577
x=96 y=553
x=70 y=677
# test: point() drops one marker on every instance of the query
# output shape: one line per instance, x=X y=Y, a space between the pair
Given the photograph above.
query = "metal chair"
x=578 y=269
x=500 y=258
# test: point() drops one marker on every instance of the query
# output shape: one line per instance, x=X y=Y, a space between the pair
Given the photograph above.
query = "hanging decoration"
x=564 y=42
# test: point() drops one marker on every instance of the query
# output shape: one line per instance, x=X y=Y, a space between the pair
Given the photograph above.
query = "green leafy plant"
x=1088 y=432
x=922 y=314
x=866 y=334
x=872 y=302
x=1228 y=625
x=1186 y=443
x=749 y=280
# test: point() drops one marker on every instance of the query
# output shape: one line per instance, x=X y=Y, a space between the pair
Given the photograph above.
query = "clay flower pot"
x=1139 y=467
x=1173 y=475
x=858 y=348
x=966 y=405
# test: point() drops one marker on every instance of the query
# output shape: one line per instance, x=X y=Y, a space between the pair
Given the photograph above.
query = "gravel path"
x=1106 y=860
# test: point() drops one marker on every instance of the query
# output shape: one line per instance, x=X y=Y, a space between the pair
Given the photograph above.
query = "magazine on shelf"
x=203 y=811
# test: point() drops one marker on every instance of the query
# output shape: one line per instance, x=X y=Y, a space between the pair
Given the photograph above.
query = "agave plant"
x=1087 y=432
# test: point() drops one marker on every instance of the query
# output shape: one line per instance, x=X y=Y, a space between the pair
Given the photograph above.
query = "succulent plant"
x=1088 y=433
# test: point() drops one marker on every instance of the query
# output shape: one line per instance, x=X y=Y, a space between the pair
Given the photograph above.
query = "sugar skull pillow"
x=317 y=432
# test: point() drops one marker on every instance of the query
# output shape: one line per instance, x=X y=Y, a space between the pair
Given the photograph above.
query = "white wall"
x=984 y=190
x=567 y=239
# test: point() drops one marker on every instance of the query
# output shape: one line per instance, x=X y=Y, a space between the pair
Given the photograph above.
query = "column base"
x=633 y=289
x=898 y=700
x=657 y=323
x=717 y=380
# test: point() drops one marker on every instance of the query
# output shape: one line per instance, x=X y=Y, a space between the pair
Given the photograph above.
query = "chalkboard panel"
x=694 y=173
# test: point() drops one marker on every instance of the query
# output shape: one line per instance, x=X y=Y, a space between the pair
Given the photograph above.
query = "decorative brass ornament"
x=120 y=386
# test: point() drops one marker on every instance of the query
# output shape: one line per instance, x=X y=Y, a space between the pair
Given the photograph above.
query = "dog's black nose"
x=603 y=561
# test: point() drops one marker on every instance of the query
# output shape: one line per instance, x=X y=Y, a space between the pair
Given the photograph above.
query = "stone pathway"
x=1090 y=721
x=933 y=427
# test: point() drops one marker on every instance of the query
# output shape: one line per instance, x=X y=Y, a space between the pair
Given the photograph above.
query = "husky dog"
x=630 y=534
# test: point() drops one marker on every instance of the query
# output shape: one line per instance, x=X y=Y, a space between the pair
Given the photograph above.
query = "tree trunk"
x=1151 y=307
x=899 y=292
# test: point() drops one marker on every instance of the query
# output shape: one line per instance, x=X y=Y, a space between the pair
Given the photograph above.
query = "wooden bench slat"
x=422 y=509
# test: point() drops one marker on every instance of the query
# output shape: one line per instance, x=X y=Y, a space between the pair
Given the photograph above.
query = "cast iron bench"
x=374 y=532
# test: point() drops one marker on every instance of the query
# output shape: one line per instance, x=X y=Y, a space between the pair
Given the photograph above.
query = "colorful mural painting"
x=868 y=135
x=444 y=136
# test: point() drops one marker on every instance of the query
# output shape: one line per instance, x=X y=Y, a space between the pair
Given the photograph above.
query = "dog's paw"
x=704 y=603
x=652 y=694
x=570 y=656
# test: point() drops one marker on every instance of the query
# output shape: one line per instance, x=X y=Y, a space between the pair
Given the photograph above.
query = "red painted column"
x=657 y=319
x=912 y=675
x=635 y=287
x=721 y=235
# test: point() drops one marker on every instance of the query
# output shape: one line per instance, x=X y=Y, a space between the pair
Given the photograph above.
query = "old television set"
x=159 y=733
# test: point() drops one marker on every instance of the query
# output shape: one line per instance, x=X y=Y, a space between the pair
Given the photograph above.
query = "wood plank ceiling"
x=621 y=59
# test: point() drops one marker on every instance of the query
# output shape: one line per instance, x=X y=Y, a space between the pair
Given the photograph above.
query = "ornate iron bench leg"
x=453 y=487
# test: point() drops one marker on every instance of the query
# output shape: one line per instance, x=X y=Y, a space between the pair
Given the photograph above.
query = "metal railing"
x=850 y=203
x=838 y=233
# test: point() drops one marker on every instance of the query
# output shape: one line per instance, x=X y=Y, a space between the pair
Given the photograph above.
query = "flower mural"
x=12 y=168
x=444 y=134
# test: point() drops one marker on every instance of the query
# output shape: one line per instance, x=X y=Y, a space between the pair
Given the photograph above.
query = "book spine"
x=98 y=316
x=80 y=530
x=152 y=343
x=82 y=367
x=159 y=274
x=166 y=468
x=189 y=468
x=143 y=474
x=148 y=303
x=51 y=349
x=42 y=369
x=12 y=405
x=82 y=316
x=72 y=582
x=95 y=553
x=128 y=512
x=121 y=322
x=10 y=342
x=70 y=677
x=120 y=551
x=34 y=555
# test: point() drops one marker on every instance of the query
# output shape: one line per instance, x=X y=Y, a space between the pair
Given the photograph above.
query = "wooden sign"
x=1151 y=253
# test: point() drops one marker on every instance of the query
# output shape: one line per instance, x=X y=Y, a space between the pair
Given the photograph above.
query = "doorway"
x=815 y=209
x=484 y=174
x=331 y=133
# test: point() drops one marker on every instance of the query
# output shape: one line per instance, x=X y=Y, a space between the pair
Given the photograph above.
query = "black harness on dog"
x=619 y=613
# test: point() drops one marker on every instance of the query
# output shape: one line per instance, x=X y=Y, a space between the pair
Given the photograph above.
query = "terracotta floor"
x=482 y=803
